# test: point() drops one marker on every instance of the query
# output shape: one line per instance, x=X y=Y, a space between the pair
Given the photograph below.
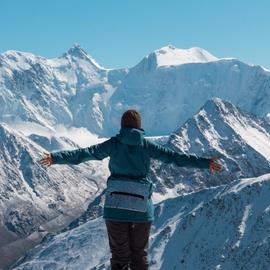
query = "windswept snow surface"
x=226 y=227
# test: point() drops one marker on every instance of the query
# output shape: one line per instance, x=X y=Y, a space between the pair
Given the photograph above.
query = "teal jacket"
x=130 y=154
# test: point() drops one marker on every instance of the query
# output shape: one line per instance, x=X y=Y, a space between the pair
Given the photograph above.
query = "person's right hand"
x=46 y=160
x=214 y=166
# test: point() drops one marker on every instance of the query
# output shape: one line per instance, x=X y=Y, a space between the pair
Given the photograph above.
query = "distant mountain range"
x=168 y=86
x=208 y=107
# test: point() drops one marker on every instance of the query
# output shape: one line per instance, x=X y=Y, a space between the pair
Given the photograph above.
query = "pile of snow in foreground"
x=226 y=227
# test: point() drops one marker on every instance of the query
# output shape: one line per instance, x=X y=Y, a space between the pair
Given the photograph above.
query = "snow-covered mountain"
x=66 y=102
x=167 y=95
x=167 y=86
x=219 y=129
x=31 y=195
x=226 y=227
x=69 y=90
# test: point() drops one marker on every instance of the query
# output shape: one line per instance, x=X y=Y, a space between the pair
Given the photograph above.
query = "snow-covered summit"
x=78 y=53
x=170 y=55
x=217 y=113
x=77 y=50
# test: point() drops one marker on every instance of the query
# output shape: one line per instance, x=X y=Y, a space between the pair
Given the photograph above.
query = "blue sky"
x=118 y=33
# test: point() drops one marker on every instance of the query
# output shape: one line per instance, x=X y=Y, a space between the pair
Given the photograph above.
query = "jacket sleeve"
x=167 y=155
x=94 y=152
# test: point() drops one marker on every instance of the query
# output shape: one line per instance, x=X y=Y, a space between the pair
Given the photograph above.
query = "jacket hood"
x=131 y=136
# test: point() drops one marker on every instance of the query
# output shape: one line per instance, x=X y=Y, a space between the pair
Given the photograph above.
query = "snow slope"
x=219 y=228
x=225 y=228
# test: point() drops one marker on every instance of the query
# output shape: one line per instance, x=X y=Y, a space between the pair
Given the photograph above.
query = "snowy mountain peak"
x=77 y=53
x=170 y=55
x=219 y=108
x=218 y=105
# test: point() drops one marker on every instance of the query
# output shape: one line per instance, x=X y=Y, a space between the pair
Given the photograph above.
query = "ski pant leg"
x=139 y=238
x=118 y=233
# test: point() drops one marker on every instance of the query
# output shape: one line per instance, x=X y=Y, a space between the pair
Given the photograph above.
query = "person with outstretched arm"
x=128 y=209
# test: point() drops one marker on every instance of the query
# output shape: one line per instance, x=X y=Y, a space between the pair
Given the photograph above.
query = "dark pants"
x=128 y=243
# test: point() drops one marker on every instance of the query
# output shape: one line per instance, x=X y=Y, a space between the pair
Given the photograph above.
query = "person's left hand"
x=46 y=160
x=214 y=166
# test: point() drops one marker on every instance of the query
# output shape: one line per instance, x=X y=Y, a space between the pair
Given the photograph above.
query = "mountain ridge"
x=76 y=91
x=220 y=129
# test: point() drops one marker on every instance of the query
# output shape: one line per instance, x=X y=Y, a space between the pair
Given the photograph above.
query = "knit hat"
x=131 y=119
